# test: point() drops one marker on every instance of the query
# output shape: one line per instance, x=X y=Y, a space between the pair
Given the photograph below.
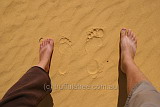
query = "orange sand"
x=86 y=35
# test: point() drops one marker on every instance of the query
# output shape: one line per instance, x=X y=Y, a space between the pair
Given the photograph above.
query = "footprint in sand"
x=65 y=51
x=94 y=40
x=93 y=43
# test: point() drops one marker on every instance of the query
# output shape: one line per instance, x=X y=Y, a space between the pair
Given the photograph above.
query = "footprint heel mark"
x=62 y=70
x=94 y=40
x=93 y=68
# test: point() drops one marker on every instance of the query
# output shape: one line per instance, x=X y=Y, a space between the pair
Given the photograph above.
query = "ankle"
x=126 y=62
x=41 y=64
x=127 y=59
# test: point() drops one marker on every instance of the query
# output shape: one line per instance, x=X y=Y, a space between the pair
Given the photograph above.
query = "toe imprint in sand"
x=94 y=40
x=65 y=45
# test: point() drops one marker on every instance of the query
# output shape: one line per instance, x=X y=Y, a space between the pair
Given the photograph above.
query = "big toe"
x=123 y=32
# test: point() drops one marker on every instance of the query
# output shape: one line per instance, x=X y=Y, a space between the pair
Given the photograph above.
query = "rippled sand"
x=86 y=35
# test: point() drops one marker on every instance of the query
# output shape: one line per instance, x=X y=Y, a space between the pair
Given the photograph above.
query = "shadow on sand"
x=122 y=83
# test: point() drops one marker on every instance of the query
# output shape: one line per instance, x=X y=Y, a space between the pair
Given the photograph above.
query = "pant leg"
x=143 y=95
x=29 y=90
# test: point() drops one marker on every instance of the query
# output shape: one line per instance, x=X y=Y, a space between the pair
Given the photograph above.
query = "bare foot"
x=128 y=45
x=45 y=54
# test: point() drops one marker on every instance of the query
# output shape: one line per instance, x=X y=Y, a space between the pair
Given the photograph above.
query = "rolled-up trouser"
x=29 y=90
x=143 y=95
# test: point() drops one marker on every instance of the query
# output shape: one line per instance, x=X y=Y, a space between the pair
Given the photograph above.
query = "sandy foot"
x=128 y=44
x=45 y=53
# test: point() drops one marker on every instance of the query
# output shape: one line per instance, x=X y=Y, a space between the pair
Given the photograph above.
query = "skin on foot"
x=128 y=45
x=45 y=54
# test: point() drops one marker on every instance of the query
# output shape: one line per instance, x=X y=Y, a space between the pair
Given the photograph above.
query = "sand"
x=86 y=35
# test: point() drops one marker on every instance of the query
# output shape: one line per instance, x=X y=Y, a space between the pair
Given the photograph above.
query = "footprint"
x=93 y=43
x=65 y=50
x=94 y=40
x=65 y=45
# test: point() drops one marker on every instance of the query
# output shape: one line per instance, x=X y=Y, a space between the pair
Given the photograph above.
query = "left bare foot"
x=45 y=53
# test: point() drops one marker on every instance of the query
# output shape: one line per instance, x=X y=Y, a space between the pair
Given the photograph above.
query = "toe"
x=129 y=32
x=123 y=32
x=131 y=35
x=45 y=42
x=51 y=41
x=48 y=41
x=42 y=43
x=135 y=39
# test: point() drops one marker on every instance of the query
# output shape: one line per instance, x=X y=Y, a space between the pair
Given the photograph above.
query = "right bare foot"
x=45 y=53
x=128 y=45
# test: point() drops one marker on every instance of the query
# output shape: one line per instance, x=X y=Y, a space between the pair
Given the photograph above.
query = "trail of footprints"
x=93 y=43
